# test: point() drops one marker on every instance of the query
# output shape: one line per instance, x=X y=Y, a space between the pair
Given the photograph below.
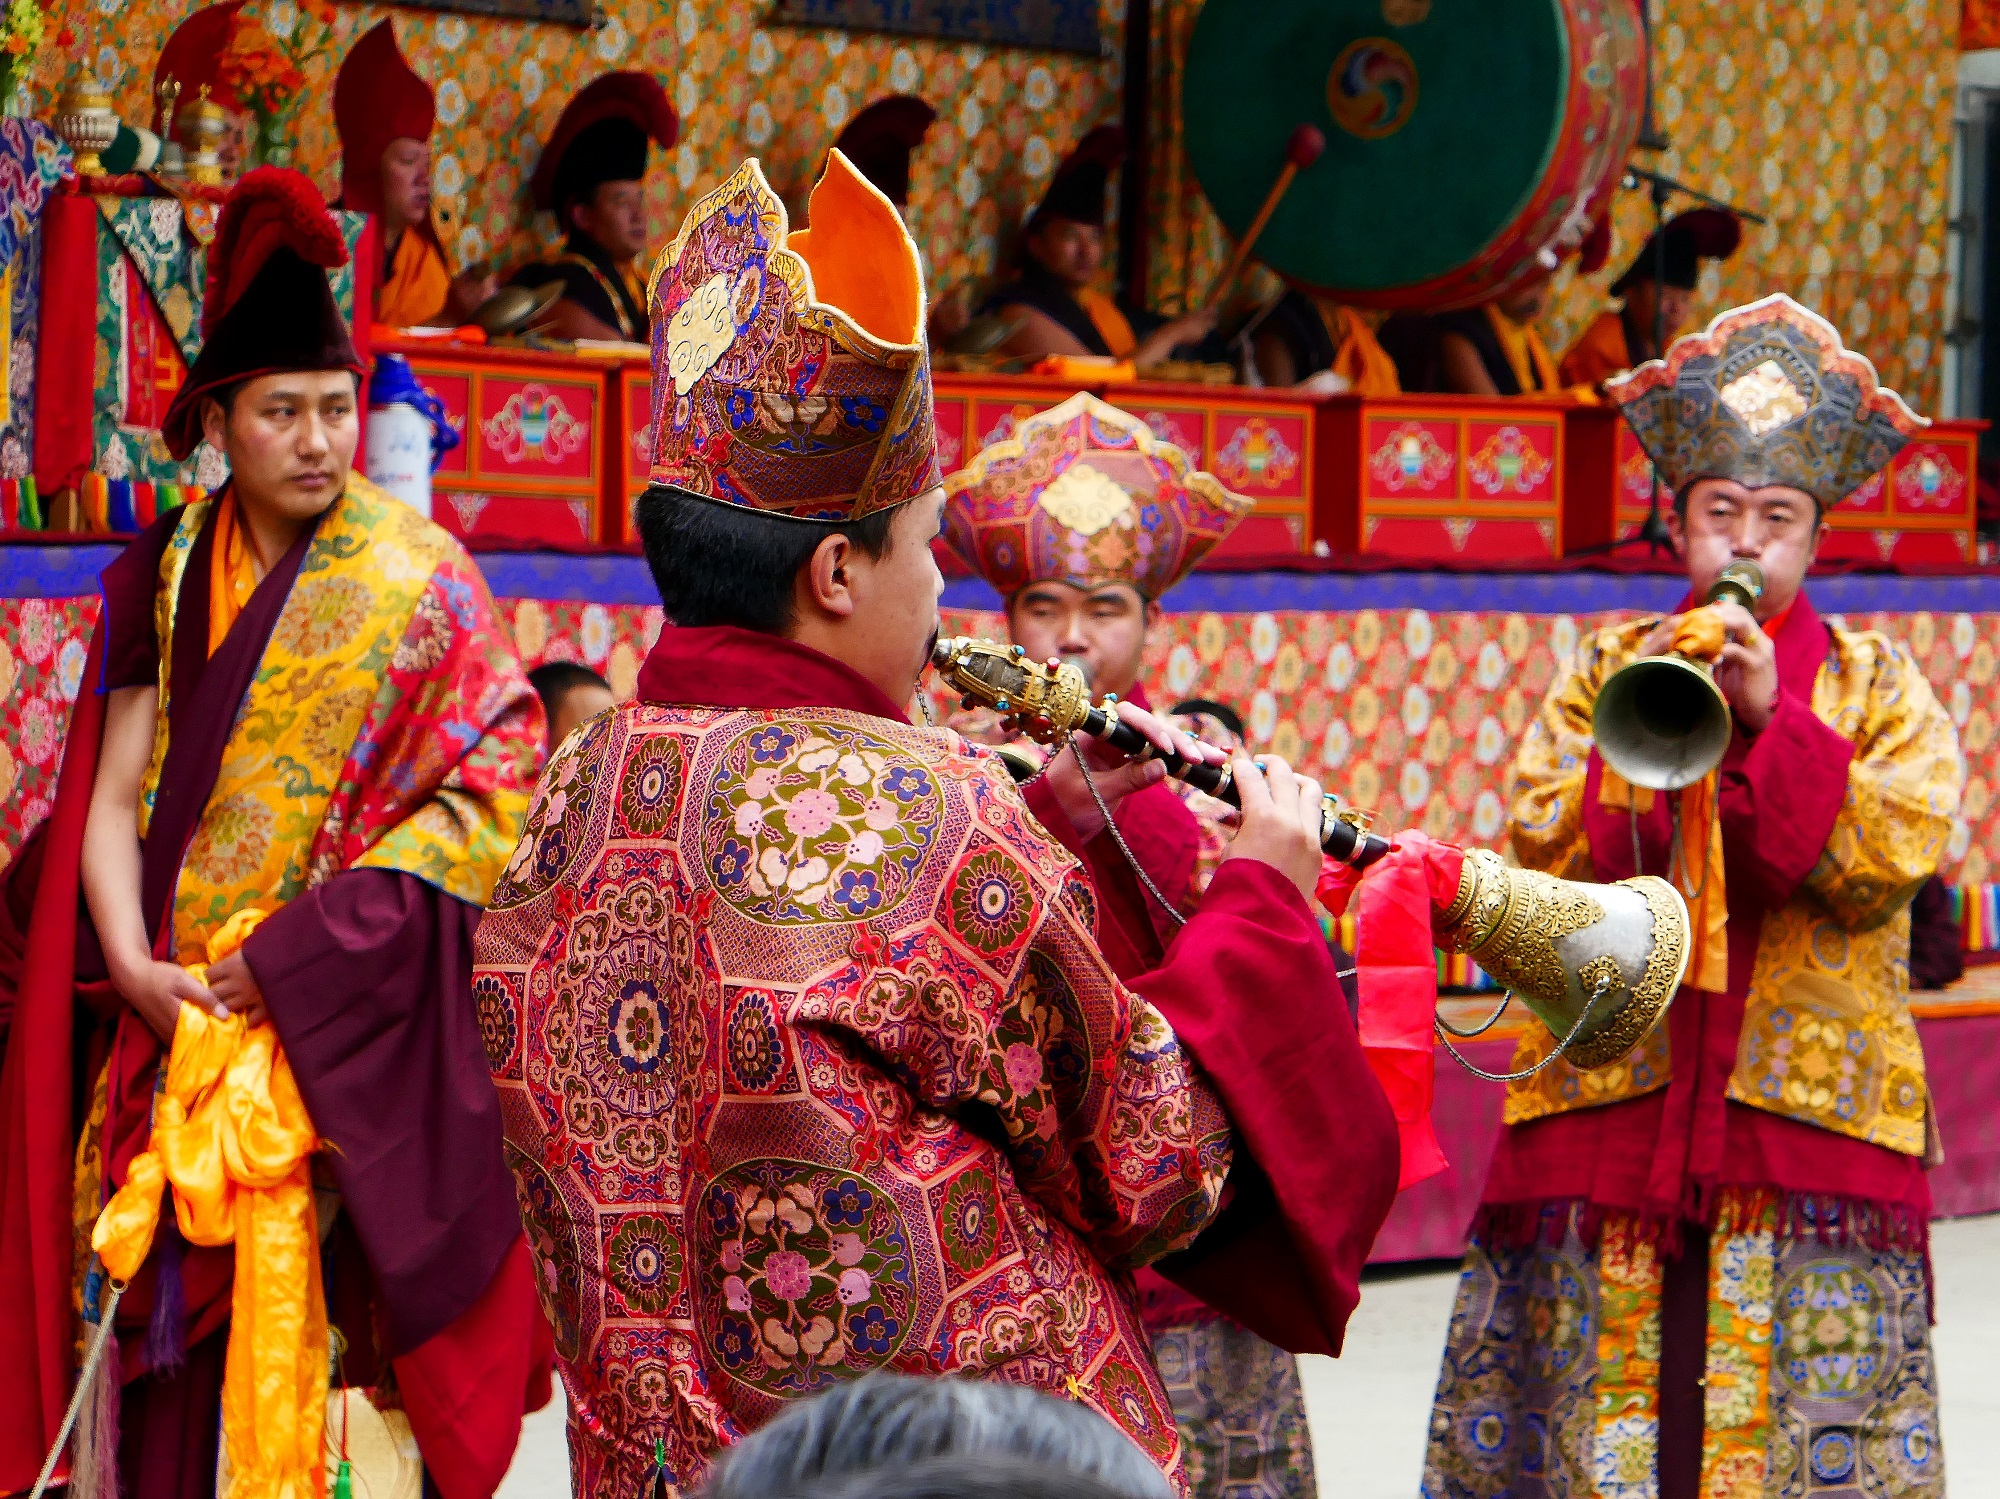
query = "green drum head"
x=1440 y=119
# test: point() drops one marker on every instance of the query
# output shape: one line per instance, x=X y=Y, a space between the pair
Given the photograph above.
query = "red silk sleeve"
x=1250 y=991
x=1779 y=802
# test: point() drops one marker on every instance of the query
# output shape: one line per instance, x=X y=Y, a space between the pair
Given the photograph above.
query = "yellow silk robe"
x=1832 y=964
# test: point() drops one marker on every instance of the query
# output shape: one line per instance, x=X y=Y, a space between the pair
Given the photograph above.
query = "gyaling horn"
x=1597 y=964
x=1660 y=721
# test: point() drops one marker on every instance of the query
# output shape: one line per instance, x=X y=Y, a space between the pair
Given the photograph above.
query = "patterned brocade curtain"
x=1189 y=245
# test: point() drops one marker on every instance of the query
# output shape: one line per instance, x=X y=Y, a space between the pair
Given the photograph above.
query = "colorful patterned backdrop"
x=1410 y=713
x=1831 y=117
x=1005 y=116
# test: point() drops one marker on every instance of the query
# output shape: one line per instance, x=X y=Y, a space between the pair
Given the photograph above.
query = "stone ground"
x=1370 y=1408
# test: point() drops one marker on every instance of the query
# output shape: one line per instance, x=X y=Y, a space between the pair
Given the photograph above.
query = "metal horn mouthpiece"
x=1597 y=964
x=1660 y=721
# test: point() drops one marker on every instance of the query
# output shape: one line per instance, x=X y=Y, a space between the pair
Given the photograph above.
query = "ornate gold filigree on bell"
x=1597 y=964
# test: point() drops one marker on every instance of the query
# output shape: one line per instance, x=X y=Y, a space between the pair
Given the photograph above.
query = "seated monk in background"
x=1060 y=309
x=592 y=177
x=1321 y=346
x=384 y=113
x=1658 y=290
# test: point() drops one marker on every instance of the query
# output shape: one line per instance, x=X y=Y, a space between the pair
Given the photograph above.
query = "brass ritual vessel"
x=87 y=124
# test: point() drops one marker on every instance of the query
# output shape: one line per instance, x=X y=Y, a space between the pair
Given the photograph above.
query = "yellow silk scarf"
x=1109 y=321
x=1527 y=356
x=1696 y=867
x=231 y=1136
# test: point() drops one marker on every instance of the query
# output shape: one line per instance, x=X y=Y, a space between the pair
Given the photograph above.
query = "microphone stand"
x=1653 y=531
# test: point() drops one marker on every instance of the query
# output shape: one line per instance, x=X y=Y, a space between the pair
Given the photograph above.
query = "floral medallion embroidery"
x=642 y=1259
x=234 y=835
x=1129 y=1400
x=322 y=615
x=558 y=1255
x=1830 y=1329
x=650 y=788
x=811 y=822
x=756 y=1051
x=969 y=1222
x=816 y=1282
x=989 y=902
x=497 y=1028
x=556 y=818
x=1809 y=1061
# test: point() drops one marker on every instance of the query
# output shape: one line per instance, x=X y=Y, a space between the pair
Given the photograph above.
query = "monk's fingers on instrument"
x=1253 y=792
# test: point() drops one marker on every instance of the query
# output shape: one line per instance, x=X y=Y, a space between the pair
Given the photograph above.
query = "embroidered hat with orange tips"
x=1086 y=494
x=268 y=307
x=1765 y=394
x=789 y=369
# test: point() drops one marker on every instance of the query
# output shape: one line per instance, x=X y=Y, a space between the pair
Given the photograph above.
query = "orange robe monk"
x=1599 y=352
x=384 y=113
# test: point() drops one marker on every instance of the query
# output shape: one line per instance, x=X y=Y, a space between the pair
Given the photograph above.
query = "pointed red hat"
x=268 y=306
x=377 y=99
x=601 y=137
x=192 y=57
x=880 y=139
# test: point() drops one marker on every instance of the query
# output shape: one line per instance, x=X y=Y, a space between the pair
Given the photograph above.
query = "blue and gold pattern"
x=1766 y=394
x=1820 y=1383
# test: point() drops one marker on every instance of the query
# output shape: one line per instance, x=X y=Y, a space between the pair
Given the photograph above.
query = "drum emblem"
x=1372 y=88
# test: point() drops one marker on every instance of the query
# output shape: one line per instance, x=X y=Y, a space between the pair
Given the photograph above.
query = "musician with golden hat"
x=1083 y=520
x=809 y=1060
x=1704 y=1270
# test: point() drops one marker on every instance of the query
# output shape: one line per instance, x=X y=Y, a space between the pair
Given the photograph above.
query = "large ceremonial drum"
x=1470 y=144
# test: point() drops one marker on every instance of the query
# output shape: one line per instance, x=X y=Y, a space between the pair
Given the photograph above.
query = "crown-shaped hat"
x=1086 y=494
x=1765 y=394
x=789 y=368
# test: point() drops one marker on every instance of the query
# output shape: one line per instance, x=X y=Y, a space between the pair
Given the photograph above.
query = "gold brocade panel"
x=1827 y=1036
x=1833 y=119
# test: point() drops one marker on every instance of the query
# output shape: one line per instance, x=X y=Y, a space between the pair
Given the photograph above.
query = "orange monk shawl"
x=231 y=1137
x=1109 y=322
x=1358 y=356
x=1598 y=354
x=417 y=286
x=1526 y=355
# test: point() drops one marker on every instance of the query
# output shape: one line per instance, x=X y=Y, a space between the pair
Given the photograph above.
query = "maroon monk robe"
x=1666 y=1155
x=1134 y=932
x=1286 y=1259
x=394 y=1075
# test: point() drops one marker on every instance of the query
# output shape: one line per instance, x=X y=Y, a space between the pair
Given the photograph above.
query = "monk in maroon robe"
x=1083 y=582
x=297 y=703
x=811 y=1064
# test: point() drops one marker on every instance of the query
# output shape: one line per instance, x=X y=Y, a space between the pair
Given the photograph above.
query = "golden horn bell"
x=1597 y=964
x=1660 y=721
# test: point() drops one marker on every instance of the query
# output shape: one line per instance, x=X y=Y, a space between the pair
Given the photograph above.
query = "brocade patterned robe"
x=810 y=1065
x=1703 y=1268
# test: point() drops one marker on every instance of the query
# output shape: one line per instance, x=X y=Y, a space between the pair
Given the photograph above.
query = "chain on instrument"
x=1597 y=964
